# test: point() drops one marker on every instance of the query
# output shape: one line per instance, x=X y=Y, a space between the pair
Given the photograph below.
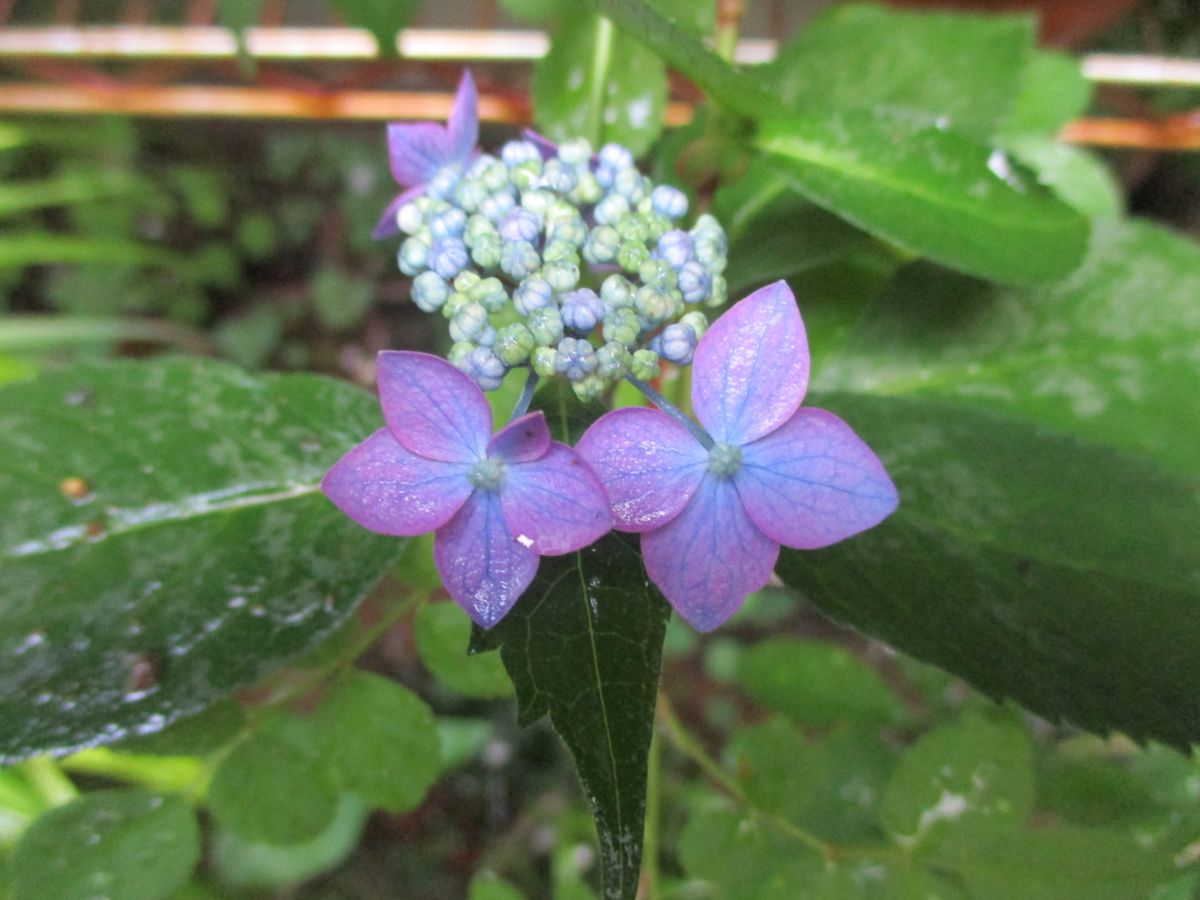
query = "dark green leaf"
x=975 y=772
x=536 y=12
x=128 y=844
x=383 y=19
x=163 y=542
x=380 y=739
x=442 y=633
x=816 y=683
x=1108 y=354
x=856 y=764
x=596 y=84
x=1053 y=92
x=584 y=644
x=1016 y=561
x=967 y=69
x=732 y=87
x=274 y=788
x=930 y=190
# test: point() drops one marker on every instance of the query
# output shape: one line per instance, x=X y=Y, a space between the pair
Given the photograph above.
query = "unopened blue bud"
x=521 y=225
x=538 y=202
x=487 y=337
x=519 y=259
x=413 y=256
x=469 y=193
x=448 y=257
x=676 y=343
x=630 y=184
x=450 y=223
x=601 y=245
x=610 y=210
x=443 y=183
x=496 y=205
x=613 y=361
x=569 y=227
x=631 y=255
x=558 y=177
x=575 y=152
x=546 y=325
x=669 y=201
x=694 y=282
x=409 y=218
x=469 y=322
x=514 y=153
x=622 y=326
x=490 y=172
x=711 y=253
x=576 y=358
x=590 y=388
x=429 y=291
x=617 y=292
x=531 y=294
x=582 y=310
x=563 y=276
x=615 y=157
x=675 y=247
x=514 y=343
x=486 y=368
x=544 y=361
x=707 y=226
x=645 y=365
x=658 y=274
x=490 y=294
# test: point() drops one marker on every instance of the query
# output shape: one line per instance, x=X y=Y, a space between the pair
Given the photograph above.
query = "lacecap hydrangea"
x=559 y=259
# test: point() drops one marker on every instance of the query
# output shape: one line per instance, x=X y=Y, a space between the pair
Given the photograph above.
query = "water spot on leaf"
x=76 y=489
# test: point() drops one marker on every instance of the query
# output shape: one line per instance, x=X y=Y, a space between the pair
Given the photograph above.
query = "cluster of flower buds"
x=562 y=261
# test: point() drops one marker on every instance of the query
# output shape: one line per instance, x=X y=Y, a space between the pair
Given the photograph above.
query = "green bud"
x=561 y=276
x=477 y=227
x=589 y=388
x=617 y=291
x=645 y=365
x=469 y=322
x=487 y=251
x=490 y=294
x=633 y=227
x=631 y=255
x=698 y=322
x=658 y=274
x=537 y=202
x=575 y=151
x=526 y=175
x=613 y=361
x=514 y=343
x=543 y=361
x=560 y=251
x=601 y=245
x=654 y=305
x=454 y=303
x=587 y=190
x=465 y=280
x=460 y=353
x=546 y=324
x=718 y=293
x=621 y=326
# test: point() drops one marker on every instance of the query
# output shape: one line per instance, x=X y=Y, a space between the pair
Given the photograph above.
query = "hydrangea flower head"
x=418 y=152
x=712 y=519
x=495 y=503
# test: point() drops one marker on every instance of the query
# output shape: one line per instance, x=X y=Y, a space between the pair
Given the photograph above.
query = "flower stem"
x=526 y=397
x=673 y=411
x=729 y=17
x=48 y=780
x=650 y=884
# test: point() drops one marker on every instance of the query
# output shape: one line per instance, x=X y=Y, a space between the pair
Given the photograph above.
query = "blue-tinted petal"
x=463 y=126
x=416 y=151
x=709 y=557
x=482 y=567
x=649 y=464
x=554 y=504
x=432 y=408
x=751 y=367
x=813 y=482
x=521 y=440
x=385 y=488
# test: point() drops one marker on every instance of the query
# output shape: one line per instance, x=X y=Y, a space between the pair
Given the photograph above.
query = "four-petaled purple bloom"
x=496 y=503
x=419 y=151
x=712 y=519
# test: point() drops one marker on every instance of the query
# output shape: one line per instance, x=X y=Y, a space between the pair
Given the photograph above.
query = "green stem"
x=170 y=774
x=48 y=780
x=601 y=57
x=526 y=397
x=729 y=19
x=653 y=813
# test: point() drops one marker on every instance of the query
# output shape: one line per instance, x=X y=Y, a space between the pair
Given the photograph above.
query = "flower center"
x=487 y=474
x=724 y=460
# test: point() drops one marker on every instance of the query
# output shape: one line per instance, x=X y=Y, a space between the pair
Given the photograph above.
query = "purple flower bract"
x=418 y=151
x=712 y=520
x=496 y=503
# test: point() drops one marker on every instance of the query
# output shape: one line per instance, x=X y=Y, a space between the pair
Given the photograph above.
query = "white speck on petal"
x=525 y=541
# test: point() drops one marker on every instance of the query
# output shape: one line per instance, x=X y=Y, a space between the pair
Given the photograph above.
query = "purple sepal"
x=554 y=504
x=432 y=408
x=386 y=226
x=521 y=440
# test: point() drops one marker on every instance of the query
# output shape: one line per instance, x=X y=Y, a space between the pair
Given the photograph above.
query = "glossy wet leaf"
x=1108 y=354
x=584 y=645
x=600 y=85
x=442 y=632
x=1016 y=561
x=967 y=69
x=274 y=788
x=380 y=740
x=163 y=541
x=118 y=843
x=817 y=684
x=975 y=773
x=930 y=190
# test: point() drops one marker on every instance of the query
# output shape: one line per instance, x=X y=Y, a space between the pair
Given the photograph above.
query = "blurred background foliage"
x=790 y=752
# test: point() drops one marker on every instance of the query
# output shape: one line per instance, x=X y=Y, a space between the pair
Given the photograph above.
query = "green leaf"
x=967 y=69
x=489 y=887
x=1013 y=562
x=442 y=633
x=380 y=739
x=1055 y=864
x=727 y=84
x=1079 y=178
x=976 y=772
x=163 y=542
x=248 y=865
x=855 y=764
x=584 y=644
x=383 y=20
x=536 y=12
x=128 y=844
x=780 y=772
x=815 y=683
x=1108 y=354
x=595 y=84
x=274 y=788
x=930 y=190
x=1053 y=92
